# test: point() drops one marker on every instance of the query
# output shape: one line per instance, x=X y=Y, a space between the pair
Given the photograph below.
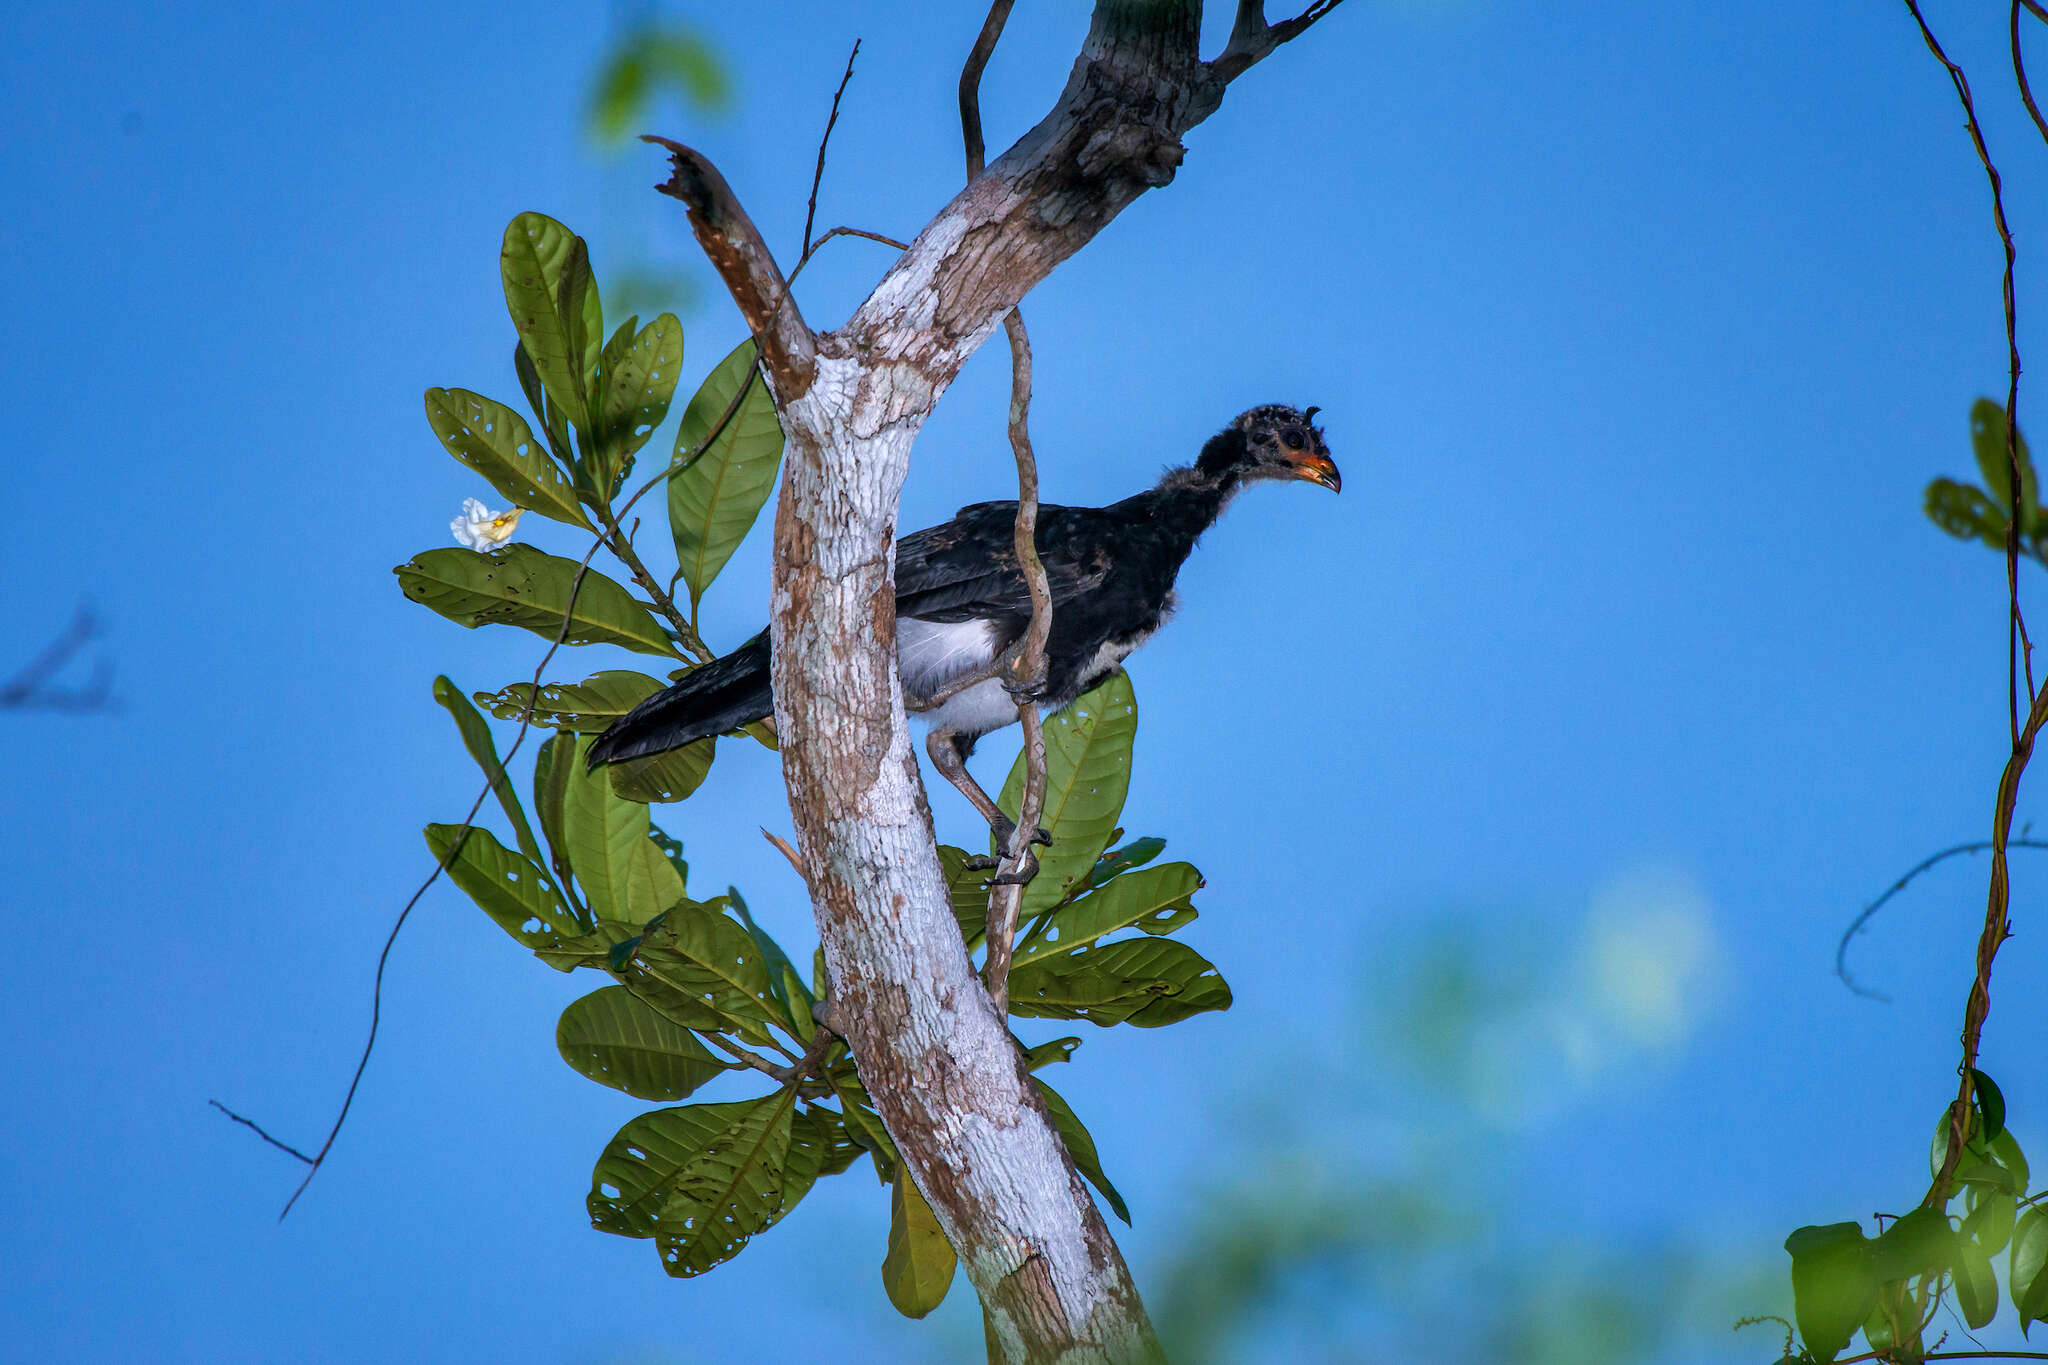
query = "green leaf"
x=517 y=585
x=1147 y=982
x=640 y=380
x=510 y=889
x=1990 y=1104
x=1833 y=1289
x=592 y=949
x=476 y=737
x=496 y=442
x=623 y=873
x=1136 y=853
x=704 y=960
x=533 y=262
x=1087 y=772
x=1081 y=1147
x=918 y=1270
x=1155 y=900
x=554 y=425
x=1989 y=1225
x=587 y=707
x=1976 y=1286
x=1965 y=513
x=642 y=64
x=700 y=1179
x=788 y=988
x=1919 y=1242
x=550 y=789
x=968 y=889
x=2025 y=1280
x=618 y=1041
x=1045 y=1054
x=669 y=776
x=2005 y=1150
x=713 y=502
x=1987 y=441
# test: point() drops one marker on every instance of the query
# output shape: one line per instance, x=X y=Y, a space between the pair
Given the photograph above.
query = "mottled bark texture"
x=932 y=1050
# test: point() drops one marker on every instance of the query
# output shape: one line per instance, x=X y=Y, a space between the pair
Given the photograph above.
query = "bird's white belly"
x=975 y=710
x=930 y=654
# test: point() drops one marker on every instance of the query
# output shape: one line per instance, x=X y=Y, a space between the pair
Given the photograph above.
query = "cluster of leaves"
x=697 y=988
x=1984 y=514
x=1891 y=1285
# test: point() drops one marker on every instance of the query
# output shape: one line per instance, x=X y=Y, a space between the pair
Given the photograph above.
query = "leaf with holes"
x=1148 y=982
x=517 y=585
x=495 y=441
x=918 y=1269
x=623 y=873
x=476 y=737
x=618 y=1041
x=550 y=790
x=508 y=888
x=700 y=956
x=587 y=707
x=668 y=776
x=1987 y=442
x=1117 y=861
x=1155 y=900
x=1087 y=772
x=537 y=254
x=639 y=383
x=593 y=949
x=713 y=502
x=699 y=1179
x=1965 y=513
x=968 y=890
x=1081 y=1147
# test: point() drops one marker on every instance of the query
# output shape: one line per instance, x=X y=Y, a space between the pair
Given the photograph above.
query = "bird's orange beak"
x=1319 y=469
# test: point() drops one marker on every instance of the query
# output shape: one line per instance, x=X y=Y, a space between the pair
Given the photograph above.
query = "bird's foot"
x=1028 y=689
x=1021 y=877
x=1003 y=828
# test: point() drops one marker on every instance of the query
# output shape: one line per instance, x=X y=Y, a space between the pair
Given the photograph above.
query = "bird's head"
x=1270 y=442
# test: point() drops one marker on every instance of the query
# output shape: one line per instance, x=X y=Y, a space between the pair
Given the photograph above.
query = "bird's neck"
x=1188 y=501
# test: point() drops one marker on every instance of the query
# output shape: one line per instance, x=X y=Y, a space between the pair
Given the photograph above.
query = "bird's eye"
x=1294 y=438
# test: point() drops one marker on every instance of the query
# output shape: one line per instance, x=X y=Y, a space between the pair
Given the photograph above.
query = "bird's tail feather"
x=722 y=695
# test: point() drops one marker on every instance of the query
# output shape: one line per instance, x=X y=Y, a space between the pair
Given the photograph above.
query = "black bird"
x=961 y=601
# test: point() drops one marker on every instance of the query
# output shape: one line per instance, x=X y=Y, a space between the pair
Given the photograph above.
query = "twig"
x=1997 y=923
x=27 y=689
x=1869 y=911
x=884 y=239
x=250 y=1123
x=1252 y=39
x=782 y=846
x=1026 y=679
x=970 y=84
x=1025 y=662
x=818 y=176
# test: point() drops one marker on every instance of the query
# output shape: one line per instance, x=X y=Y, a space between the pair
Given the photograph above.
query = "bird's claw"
x=1028 y=690
x=1021 y=877
x=1004 y=828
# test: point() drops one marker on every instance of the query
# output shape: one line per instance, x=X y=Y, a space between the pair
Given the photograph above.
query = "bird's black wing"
x=966 y=569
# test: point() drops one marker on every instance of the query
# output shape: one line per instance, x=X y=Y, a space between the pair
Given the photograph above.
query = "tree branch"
x=733 y=245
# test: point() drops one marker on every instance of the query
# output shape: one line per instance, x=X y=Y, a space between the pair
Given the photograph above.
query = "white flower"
x=482 y=529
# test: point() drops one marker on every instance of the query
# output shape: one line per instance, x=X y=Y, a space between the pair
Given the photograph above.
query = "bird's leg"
x=952 y=765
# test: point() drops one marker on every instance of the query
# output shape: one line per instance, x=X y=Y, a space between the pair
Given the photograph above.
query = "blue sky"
x=1625 y=663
